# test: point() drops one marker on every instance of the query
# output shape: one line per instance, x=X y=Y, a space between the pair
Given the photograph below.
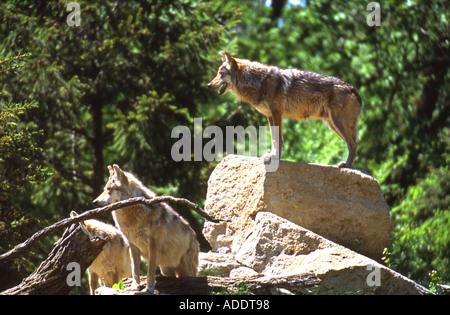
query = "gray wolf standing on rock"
x=292 y=93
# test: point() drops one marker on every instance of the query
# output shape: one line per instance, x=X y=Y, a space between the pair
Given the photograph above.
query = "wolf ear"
x=231 y=62
x=111 y=171
x=117 y=169
x=119 y=173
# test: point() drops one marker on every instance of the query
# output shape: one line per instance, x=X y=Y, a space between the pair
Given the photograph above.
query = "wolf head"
x=121 y=186
x=116 y=187
x=224 y=77
x=97 y=227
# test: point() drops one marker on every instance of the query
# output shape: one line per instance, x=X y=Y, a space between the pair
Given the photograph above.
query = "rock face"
x=279 y=247
x=302 y=219
x=345 y=206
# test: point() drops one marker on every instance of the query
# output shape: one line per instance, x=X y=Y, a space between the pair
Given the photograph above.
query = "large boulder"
x=304 y=220
x=345 y=206
x=278 y=247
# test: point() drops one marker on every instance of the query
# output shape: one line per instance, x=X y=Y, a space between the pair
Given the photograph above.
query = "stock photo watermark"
x=213 y=149
x=374 y=17
x=74 y=17
x=374 y=277
x=73 y=279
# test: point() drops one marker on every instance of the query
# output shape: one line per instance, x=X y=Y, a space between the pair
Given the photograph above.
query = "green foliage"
x=422 y=220
x=111 y=90
x=20 y=158
x=118 y=285
x=239 y=288
x=17 y=149
x=435 y=281
x=21 y=167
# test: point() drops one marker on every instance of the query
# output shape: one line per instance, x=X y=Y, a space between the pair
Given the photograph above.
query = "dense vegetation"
x=77 y=98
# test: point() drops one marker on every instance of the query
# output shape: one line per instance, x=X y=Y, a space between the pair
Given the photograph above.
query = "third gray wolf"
x=292 y=93
x=116 y=260
x=160 y=234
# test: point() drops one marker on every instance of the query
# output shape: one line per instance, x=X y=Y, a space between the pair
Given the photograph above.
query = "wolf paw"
x=269 y=156
x=150 y=290
x=271 y=162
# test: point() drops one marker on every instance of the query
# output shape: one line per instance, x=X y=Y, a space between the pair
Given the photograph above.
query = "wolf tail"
x=355 y=91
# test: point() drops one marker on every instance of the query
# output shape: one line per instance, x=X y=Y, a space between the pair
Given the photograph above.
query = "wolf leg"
x=151 y=266
x=338 y=125
x=276 y=136
x=93 y=281
x=135 y=258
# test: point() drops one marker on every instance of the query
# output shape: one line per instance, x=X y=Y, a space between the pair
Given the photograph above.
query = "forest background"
x=75 y=99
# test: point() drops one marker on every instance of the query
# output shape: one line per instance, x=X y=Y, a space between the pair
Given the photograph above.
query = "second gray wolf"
x=160 y=234
x=115 y=261
x=292 y=93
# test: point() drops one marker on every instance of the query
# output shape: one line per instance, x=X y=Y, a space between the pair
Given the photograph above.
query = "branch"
x=90 y=214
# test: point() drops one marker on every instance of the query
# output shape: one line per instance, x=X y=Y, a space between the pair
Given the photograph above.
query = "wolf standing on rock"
x=160 y=234
x=292 y=93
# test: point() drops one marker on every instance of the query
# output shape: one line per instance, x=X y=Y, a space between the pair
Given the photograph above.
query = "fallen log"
x=260 y=285
x=64 y=267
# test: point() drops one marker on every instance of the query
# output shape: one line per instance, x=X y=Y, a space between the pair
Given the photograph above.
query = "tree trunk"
x=65 y=265
x=97 y=146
